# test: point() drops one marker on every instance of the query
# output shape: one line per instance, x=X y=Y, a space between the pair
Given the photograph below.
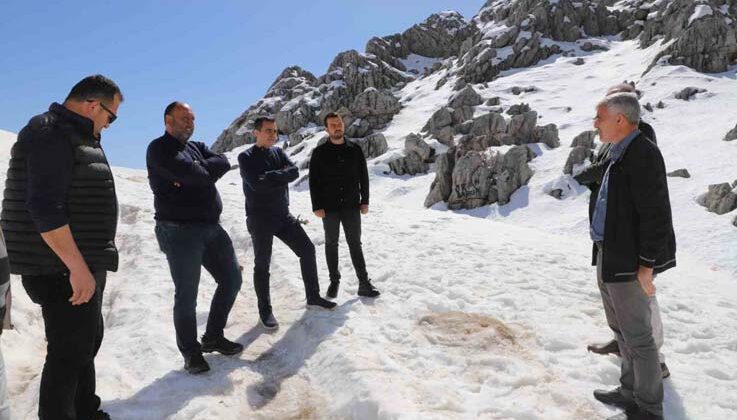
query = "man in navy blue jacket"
x=182 y=175
x=267 y=172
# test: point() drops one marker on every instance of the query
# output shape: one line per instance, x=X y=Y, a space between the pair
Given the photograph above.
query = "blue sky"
x=220 y=57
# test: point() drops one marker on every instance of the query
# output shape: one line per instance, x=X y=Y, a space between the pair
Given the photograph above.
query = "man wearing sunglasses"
x=59 y=218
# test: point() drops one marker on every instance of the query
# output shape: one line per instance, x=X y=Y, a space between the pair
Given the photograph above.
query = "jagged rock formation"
x=680 y=173
x=687 y=93
x=582 y=150
x=417 y=157
x=504 y=35
x=720 y=198
x=703 y=34
x=731 y=135
x=471 y=179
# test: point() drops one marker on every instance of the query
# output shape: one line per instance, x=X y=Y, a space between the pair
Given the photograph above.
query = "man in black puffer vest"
x=59 y=217
x=339 y=188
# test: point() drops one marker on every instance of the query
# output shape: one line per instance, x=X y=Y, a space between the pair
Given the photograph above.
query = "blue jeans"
x=188 y=247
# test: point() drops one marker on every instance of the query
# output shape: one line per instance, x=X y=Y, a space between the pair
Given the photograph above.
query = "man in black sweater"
x=339 y=188
x=267 y=171
x=59 y=218
x=182 y=175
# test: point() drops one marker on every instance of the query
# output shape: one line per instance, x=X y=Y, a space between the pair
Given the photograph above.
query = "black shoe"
x=195 y=364
x=319 y=303
x=269 y=322
x=221 y=345
x=607 y=348
x=333 y=289
x=366 y=289
x=636 y=413
x=614 y=398
x=665 y=370
x=101 y=415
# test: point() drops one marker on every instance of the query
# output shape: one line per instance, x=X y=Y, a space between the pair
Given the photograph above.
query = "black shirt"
x=338 y=177
x=182 y=177
x=49 y=167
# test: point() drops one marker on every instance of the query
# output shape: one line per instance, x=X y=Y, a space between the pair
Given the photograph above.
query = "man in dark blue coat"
x=182 y=175
x=267 y=171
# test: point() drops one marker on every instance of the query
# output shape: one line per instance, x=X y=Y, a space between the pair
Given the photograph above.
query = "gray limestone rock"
x=680 y=173
x=720 y=198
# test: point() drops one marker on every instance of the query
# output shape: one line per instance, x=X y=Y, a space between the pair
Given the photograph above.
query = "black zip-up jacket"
x=266 y=174
x=338 y=177
x=182 y=177
x=639 y=226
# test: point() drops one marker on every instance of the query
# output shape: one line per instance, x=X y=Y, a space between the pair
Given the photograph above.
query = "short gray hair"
x=623 y=103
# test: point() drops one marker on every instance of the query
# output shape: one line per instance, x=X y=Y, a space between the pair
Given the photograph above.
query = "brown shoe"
x=607 y=348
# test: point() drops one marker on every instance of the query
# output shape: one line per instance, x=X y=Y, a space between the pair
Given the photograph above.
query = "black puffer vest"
x=91 y=200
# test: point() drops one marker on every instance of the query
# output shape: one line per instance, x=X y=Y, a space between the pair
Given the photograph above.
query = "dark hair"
x=170 y=108
x=97 y=87
x=260 y=122
x=330 y=115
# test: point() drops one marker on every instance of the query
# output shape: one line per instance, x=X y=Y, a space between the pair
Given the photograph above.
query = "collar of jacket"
x=81 y=123
x=618 y=150
x=174 y=140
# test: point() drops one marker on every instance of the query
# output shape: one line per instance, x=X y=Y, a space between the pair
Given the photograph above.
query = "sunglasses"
x=111 y=115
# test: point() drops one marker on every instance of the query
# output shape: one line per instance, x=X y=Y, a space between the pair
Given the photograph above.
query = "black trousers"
x=74 y=335
x=288 y=230
x=351 y=221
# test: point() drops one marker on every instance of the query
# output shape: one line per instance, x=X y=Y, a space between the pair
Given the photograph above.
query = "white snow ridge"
x=484 y=313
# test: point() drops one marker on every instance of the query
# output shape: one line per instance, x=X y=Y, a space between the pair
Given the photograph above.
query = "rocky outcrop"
x=375 y=107
x=521 y=33
x=582 y=150
x=440 y=36
x=702 y=35
x=585 y=139
x=680 y=173
x=373 y=145
x=720 y=198
x=442 y=186
x=416 y=159
x=478 y=179
x=731 y=135
x=687 y=93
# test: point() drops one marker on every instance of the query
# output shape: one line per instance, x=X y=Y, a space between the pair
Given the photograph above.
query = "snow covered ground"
x=484 y=313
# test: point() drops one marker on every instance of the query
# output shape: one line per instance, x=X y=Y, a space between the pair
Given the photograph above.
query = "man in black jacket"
x=632 y=230
x=591 y=177
x=339 y=188
x=182 y=175
x=59 y=218
x=267 y=171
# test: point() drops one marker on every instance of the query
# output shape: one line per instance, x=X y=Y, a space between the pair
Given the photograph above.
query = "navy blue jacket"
x=266 y=176
x=182 y=177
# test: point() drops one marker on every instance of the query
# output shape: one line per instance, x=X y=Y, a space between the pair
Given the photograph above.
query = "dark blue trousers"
x=188 y=247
